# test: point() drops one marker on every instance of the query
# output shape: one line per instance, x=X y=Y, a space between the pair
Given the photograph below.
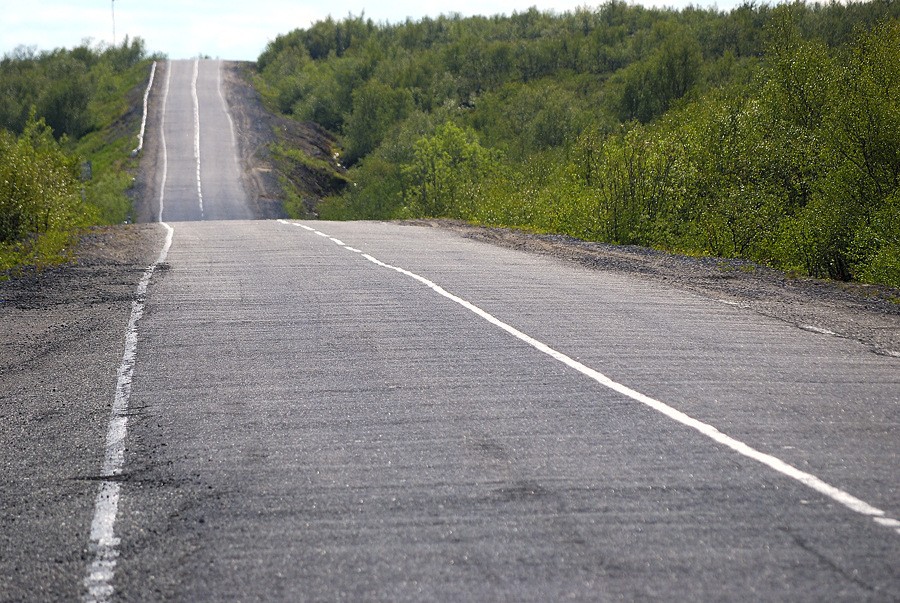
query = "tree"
x=654 y=84
x=444 y=168
x=376 y=107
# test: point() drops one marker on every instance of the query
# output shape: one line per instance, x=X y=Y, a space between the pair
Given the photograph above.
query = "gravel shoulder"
x=61 y=339
x=254 y=129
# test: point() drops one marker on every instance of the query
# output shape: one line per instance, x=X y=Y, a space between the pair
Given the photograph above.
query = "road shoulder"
x=62 y=332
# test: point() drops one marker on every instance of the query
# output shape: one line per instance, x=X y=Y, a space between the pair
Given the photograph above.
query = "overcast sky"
x=231 y=29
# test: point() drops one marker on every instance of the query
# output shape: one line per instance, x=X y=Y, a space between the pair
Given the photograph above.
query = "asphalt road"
x=311 y=425
x=202 y=178
x=371 y=411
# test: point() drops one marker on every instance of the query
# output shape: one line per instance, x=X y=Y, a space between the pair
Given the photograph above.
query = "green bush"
x=40 y=200
x=875 y=249
x=445 y=168
x=376 y=108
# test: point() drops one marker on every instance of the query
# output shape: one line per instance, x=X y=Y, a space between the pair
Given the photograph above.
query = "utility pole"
x=114 y=21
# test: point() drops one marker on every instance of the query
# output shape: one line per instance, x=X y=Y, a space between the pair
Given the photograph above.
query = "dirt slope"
x=265 y=175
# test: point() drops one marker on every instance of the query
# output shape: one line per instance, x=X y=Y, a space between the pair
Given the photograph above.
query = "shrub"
x=39 y=197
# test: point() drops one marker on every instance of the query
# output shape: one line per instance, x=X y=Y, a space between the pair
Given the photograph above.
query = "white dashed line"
x=888 y=523
x=743 y=305
x=807 y=479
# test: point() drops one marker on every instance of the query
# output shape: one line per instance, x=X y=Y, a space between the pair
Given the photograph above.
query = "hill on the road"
x=279 y=183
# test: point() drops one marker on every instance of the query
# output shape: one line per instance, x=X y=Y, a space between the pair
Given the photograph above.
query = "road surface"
x=200 y=175
x=316 y=425
x=372 y=411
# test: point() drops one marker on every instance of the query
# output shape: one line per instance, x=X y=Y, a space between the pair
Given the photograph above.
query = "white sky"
x=231 y=29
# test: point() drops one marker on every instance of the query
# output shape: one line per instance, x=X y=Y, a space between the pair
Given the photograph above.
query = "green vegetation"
x=771 y=134
x=68 y=123
x=39 y=197
x=298 y=173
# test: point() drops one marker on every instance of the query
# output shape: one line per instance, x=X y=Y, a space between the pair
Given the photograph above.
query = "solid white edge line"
x=836 y=494
x=140 y=145
x=103 y=541
x=196 y=100
x=162 y=142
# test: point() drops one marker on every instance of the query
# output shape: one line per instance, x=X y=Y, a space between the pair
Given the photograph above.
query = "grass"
x=118 y=107
x=41 y=251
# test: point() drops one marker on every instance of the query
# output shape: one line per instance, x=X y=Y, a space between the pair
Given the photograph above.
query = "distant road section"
x=199 y=173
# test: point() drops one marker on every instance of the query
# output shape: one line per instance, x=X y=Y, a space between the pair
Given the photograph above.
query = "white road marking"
x=162 y=141
x=743 y=305
x=807 y=479
x=322 y=234
x=140 y=145
x=819 y=330
x=197 y=131
x=104 y=543
x=889 y=523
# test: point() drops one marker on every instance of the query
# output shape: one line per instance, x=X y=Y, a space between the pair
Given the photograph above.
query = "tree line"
x=768 y=133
